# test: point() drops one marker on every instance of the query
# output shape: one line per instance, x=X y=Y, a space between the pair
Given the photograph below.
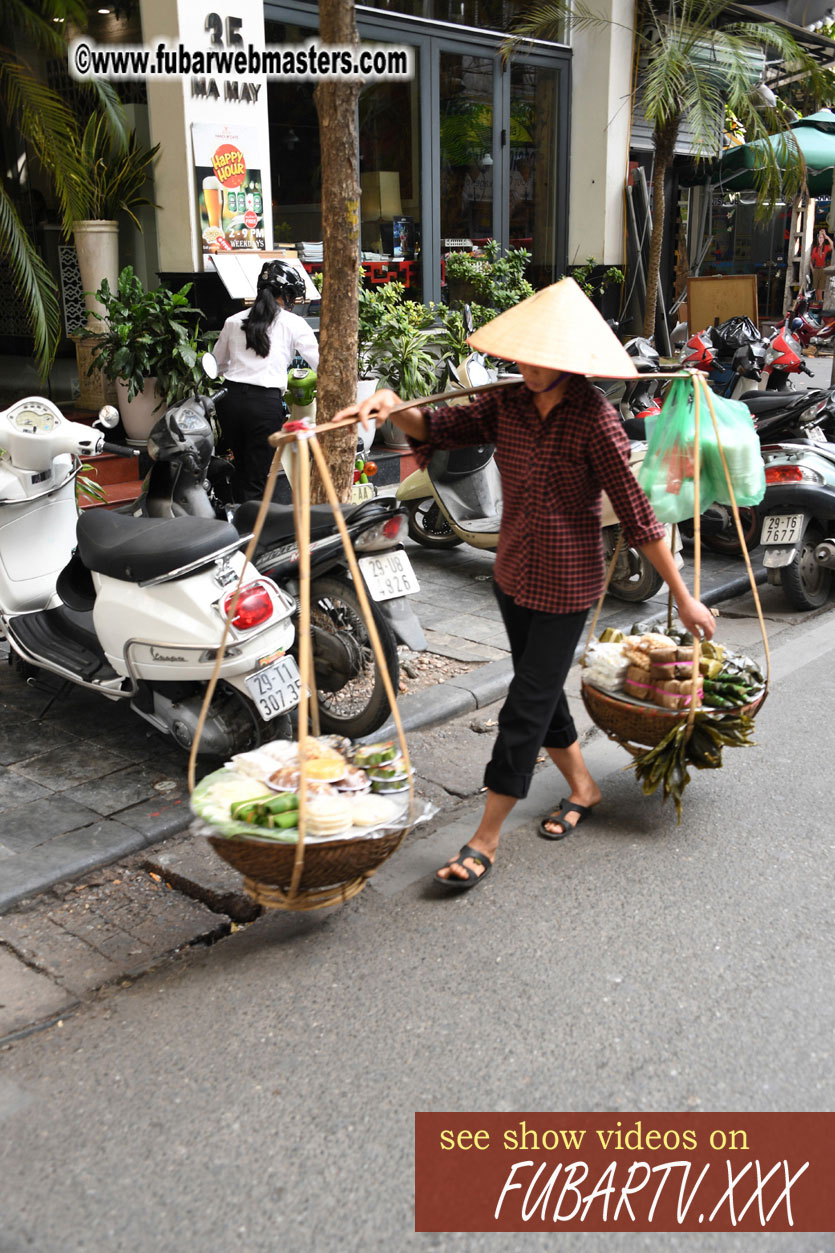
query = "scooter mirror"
x=108 y=417
x=209 y=365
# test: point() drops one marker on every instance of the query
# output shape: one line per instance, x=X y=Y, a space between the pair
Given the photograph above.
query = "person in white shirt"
x=254 y=351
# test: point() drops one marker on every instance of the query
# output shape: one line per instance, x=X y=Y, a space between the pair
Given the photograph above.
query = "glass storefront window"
x=497 y=15
x=295 y=159
x=390 y=205
x=466 y=133
x=471 y=148
x=532 y=187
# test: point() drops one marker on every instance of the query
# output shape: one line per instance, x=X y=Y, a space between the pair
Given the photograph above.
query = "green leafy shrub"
x=150 y=334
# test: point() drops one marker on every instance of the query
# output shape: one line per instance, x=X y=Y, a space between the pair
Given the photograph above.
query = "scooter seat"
x=137 y=549
x=783 y=402
x=279 y=524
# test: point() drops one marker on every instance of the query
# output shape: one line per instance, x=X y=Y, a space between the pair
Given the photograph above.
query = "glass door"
x=532 y=129
x=390 y=183
x=466 y=145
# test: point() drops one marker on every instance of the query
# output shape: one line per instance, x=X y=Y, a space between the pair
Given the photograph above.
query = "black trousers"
x=535 y=714
x=248 y=415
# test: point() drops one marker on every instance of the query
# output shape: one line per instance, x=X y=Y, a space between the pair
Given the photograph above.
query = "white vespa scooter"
x=134 y=608
x=458 y=498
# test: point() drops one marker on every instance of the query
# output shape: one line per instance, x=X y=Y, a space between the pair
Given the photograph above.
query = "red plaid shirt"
x=553 y=469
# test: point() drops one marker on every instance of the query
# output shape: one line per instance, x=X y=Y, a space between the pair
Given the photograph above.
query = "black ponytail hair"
x=261 y=317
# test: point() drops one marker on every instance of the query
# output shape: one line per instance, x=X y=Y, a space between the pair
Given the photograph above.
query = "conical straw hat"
x=560 y=329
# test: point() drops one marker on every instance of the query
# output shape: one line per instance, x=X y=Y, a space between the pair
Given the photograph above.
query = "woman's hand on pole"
x=377 y=409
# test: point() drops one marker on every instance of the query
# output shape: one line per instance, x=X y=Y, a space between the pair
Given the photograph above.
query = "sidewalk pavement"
x=86 y=782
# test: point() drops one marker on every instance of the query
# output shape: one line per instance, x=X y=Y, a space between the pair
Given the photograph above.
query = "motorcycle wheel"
x=806 y=583
x=361 y=705
x=728 y=542
x=634 y=578
x=428 y=526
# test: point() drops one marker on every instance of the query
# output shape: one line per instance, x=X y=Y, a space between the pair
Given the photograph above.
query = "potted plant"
x=149 y=344
x=113 y=177
x=488 y=278
x=594 y=279
x=401 y=348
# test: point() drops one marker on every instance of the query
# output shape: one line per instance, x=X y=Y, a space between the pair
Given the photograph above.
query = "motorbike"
x=636 y=399
x=133 y=607
x=806 y=416
x=809 y=325
x=798 y=520
x=458 y=499
x=351 y=693
x=735 y=354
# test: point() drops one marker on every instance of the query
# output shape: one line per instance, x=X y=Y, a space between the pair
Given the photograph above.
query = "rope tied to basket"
x=632 y=725
x=322 y=873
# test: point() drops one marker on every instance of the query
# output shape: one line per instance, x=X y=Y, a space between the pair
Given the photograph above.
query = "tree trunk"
x=664 y=140
x=336 y=105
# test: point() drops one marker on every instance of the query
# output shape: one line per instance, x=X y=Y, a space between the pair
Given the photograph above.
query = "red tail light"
x=784 y=474
x=255 y=605
x=393 y=528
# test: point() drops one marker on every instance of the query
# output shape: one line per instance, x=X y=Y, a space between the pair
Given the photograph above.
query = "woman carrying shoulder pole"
x=559 y=445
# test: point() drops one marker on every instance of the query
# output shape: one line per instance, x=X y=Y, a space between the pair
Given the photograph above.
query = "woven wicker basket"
x=325 y=865
x=639 y=724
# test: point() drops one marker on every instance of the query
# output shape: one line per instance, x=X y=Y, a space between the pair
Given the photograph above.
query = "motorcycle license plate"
x=782 y=528
x=389 y=575
x=276 y=688
x=816 y=434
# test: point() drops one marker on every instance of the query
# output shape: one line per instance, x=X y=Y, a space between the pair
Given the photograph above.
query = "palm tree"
x=693 y=67
x=48 y=129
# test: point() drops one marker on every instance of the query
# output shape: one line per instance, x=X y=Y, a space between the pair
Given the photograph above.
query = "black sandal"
x=566 y=807
x=473 y=877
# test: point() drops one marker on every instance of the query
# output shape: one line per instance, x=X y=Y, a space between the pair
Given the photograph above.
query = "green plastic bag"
x=743 y=454
x=667 y=474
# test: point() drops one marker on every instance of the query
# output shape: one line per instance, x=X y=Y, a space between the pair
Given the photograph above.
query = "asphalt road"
x=260 y=1094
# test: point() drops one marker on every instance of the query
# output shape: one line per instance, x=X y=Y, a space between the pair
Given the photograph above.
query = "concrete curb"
x=460 y=695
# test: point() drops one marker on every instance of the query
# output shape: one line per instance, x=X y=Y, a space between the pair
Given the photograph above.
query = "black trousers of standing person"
x=535 y=714
x=248 y=416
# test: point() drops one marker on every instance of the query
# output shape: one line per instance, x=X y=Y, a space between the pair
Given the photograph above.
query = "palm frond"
x=38 y=24
x=549 y=19
x=49 y=127
x=33 y=282
x=113 y=109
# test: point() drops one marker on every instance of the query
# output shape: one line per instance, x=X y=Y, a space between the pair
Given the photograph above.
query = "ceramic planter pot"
x=97 y=246
x=140 y=415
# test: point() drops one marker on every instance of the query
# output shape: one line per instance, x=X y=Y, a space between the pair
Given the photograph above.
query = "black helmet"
x=285 y=283
x=183 y=436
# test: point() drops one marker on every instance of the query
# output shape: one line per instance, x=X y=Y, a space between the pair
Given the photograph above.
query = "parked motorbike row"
x=794 y=521
x=131 y=603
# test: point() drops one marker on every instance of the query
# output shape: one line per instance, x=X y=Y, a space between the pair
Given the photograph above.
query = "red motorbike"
x=735 y=357
x=808 y=324
x=783 y=358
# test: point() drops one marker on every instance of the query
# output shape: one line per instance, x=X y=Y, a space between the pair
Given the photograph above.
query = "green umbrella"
x=815 y=136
